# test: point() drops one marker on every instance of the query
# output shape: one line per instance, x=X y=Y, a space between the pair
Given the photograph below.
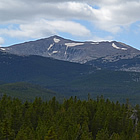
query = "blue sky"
x=101 y=20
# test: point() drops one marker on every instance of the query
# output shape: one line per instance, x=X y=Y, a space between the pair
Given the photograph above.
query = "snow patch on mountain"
x=116 y=47
x=56 y=40
x=95 y=43
x=66 y=50
x=73 y=44
x=124 y=49
x=55 y=52
x=50 y=46
x=2 y=49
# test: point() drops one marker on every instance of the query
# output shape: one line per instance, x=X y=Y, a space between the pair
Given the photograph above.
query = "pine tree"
x=102 y=135
x=115 y=136
x=6 y=132
x=25 y=133
x=51 y=135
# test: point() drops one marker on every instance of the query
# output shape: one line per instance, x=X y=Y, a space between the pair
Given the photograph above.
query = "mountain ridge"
x=56 y=46
x=87 y=52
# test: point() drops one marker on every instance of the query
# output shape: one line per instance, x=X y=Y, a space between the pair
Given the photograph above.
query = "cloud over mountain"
x=45 y=28
x=37 y=18
x=1 y=41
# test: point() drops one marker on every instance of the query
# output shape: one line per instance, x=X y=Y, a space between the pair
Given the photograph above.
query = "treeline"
x=73 y=119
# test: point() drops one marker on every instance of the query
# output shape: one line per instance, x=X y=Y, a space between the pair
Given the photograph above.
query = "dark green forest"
x=73 y=119
x=26 y=77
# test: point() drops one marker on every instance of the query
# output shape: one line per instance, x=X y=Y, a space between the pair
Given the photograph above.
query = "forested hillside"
x=27 y=91
x=65 y=78
x=71 y=120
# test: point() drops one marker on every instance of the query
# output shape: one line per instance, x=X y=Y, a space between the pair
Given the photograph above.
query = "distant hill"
x=38 y=69
x=27 y=91
x=115 y=85
x=64 y=78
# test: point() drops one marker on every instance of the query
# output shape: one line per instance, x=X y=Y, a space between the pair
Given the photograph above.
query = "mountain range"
x=109 y=55
x=70 y=68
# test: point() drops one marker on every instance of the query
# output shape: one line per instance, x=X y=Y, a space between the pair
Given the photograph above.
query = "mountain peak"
x=73 y=51
x=57 y=37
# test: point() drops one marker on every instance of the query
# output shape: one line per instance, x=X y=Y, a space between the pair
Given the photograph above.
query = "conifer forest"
x=73 y=119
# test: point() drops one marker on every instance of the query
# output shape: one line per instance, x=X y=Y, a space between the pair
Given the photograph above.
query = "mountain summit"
x=104 y=55
x=73 y=51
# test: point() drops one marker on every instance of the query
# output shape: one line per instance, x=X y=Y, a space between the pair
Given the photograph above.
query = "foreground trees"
x=71 y=120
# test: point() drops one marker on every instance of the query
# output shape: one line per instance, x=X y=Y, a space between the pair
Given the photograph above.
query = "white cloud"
x=1 y=41
x=117 y=15
x=99 y=39
x=45 y=28
x=111 y=16
x=20 y=11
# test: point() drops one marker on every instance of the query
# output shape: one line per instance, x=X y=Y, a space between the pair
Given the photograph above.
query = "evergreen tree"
x=71 y=120
x=115 y=136
x=6 y=132
x=102 y=135
x=51 y=135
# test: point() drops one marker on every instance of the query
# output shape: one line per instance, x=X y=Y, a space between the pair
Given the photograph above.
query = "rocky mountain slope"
x=117 y=62
x=68 y=50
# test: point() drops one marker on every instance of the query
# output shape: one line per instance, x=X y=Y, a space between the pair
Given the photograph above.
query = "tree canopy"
x=73 y=119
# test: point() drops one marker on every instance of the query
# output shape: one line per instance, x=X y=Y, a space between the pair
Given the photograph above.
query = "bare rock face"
x=80 y=52
x=68 y=50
